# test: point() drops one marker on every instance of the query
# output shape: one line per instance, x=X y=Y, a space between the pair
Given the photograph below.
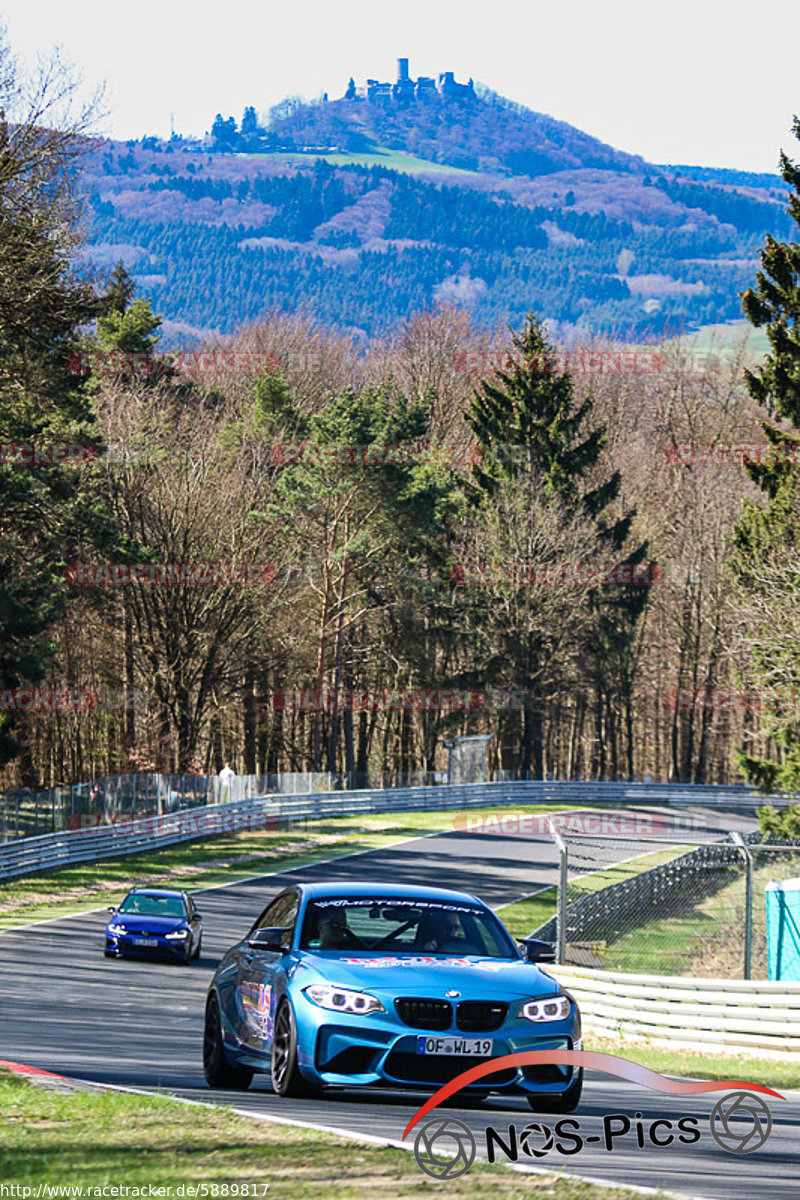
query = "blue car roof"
x=148 y=891
x=338 y=888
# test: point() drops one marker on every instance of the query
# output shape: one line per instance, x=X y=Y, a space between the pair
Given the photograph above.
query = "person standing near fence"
x=226 y=778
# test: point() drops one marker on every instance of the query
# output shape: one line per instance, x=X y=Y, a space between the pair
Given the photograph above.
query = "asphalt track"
x=66 y=1008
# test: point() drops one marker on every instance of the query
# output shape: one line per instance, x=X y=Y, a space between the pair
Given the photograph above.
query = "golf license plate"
x=145 y=941
x=455 y=1046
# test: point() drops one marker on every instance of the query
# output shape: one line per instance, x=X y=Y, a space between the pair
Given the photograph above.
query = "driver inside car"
x=437 y=929
x=333 y=930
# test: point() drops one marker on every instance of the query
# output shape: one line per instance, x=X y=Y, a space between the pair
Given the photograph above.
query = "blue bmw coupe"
x=358 y=985
x=155 y=922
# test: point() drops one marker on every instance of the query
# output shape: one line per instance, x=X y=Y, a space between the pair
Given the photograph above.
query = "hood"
x=474 y=977
x=144 y=924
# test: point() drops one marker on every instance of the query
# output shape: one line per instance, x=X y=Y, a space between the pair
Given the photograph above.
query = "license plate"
x=455 y=1047
x=145 y=941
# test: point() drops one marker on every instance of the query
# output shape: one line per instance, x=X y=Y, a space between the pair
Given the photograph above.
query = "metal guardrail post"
x=748 y=902
x=561 y=909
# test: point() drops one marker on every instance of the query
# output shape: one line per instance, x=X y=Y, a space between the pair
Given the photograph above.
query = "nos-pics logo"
x=445 y=1148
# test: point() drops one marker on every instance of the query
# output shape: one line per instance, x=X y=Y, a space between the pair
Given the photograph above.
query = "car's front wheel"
x=563 y=1102
x=216 y=1068
x=286 y=1077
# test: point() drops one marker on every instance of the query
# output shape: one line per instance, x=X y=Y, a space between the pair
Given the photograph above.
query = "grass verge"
x=523 y=916
x=769 y=1071
x=91 y=1139
x=704 y=935
x=223 y=858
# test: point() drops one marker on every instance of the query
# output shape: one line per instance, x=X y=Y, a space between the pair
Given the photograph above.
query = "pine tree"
x=51 y=512
x=766 y=557
x=120 y=290
x=531 y=429
x=249 y=124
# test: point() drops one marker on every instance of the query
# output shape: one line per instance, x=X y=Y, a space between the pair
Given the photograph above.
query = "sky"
x=695 y=81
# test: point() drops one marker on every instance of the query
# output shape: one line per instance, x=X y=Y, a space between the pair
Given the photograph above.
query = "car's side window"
x=282 y=911
x=289 y=917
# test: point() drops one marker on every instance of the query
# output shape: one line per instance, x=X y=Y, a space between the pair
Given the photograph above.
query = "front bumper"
x=348 y=1058
x=343 y=1050
x=125 y=944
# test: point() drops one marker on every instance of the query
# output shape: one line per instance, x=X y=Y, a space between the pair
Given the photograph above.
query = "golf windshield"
x=153 y=906
x=418 y=926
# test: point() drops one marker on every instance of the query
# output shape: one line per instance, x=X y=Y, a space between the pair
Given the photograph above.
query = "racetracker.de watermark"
x=575 y=362
x=573 y=574
x=592 y=823
x=729 y=700
x=48 y=700
x=46 y=454
x=375 y=454
x=182 y=824
x=132 y=1191
x=381 y=700
x=172 y=574
x=178 y=362
x=722 y=453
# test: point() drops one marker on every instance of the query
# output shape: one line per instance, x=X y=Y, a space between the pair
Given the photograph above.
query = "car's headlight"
x=545 y=1008
x=327 y=995
x=116 y=930
x=177 y=933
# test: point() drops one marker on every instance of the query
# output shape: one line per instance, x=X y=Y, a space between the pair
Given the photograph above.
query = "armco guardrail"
x=752 y=1016
x=26 y=855
x=33 y=813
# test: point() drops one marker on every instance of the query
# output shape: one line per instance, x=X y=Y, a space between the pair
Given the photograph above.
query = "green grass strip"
x=91 y=1139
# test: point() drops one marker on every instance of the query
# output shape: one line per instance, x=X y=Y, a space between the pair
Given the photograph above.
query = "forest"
x=447 y=527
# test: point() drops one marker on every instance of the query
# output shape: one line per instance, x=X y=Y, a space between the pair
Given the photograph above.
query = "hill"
x=362 y=211
x=488 y=134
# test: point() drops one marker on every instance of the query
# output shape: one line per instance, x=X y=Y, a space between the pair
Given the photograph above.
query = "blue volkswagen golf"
x=155 y=922
x=363 y=986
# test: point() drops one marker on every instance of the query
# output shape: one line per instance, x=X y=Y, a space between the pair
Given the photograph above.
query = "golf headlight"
x=343 y=999
x=178 y=933
x=546 y=1008
x=114 y=929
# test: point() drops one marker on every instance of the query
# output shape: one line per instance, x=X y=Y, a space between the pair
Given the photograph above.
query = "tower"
x=402 y=70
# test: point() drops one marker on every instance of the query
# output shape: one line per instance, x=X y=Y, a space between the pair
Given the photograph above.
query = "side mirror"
x=536 y=951
x=198 y=915
x=111 y=908
x=268 y=939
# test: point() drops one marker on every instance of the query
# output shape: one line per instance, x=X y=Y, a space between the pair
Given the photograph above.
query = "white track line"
x=312 y=862
x=369 y=1139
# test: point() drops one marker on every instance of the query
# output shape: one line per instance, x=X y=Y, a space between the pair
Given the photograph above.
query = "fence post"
x=561 y=910
x=748 y=902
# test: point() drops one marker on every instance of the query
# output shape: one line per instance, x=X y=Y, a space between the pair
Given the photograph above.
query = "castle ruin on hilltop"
x=406 y=88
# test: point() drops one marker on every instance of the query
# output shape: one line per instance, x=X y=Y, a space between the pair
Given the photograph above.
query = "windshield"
x=416 y=925
x=153 y=906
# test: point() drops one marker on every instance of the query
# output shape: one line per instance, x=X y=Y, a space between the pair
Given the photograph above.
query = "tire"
x=198 y=947
x=286 y=1077
x=216 y=1068
x=109 y=954
x=564 y=1102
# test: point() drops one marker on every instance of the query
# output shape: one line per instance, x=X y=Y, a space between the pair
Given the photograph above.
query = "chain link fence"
x=662 y=906
x=25 y=812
